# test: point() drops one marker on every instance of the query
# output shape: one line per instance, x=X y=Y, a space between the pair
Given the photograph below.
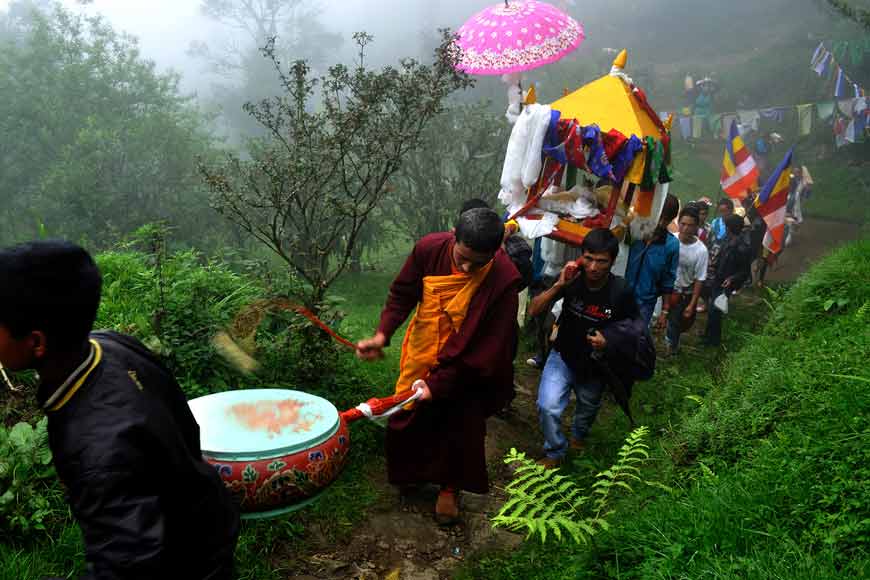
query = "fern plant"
x=546 y=504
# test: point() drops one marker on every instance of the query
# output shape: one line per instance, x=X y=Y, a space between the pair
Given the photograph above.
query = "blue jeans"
x=646 y=311
x=554 y=392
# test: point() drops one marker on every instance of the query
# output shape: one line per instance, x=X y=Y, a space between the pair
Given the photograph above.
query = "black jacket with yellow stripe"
x=126 y=447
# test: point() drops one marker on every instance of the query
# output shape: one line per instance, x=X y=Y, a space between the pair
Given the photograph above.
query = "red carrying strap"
x=322 y=325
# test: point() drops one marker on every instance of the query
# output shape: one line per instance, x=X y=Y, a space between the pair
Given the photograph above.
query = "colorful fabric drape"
x=654 y=158
x=625 y=158
x=839 y=84
x=637 y=169
x=610 y=155
x=773 y=114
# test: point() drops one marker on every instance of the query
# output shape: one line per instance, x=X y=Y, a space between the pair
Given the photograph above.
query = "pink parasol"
x=516 y=36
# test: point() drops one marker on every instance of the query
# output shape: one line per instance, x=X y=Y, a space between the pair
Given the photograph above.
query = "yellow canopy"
x=608 y=103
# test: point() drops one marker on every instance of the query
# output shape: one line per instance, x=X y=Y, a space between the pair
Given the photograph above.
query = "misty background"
x=666 y=39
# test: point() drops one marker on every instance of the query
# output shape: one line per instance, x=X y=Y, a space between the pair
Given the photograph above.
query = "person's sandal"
x=550 y=462
x=447 y=507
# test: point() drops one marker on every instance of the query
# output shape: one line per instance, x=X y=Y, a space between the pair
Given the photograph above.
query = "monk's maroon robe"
x=442 y=441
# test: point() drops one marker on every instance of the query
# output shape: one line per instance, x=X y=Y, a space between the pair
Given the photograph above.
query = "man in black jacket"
x=732 y=271
x=123 y=439
x=600 y=323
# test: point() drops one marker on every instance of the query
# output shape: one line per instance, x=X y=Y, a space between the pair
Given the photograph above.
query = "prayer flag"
x=840 y=84
x=772 y=201
x=821 y=67
x=817 y=54
x=739 y=172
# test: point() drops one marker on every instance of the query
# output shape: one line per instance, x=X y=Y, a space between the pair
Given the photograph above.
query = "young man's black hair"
x=601 y=241
x=123 y=440
x=52 y=287
x=734 y=224
x=670 y=209
x=691 y=210
x=480 y=229
x=473 y=203
x=726 y=201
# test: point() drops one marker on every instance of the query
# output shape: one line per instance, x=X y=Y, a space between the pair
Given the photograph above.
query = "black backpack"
x=641 y=364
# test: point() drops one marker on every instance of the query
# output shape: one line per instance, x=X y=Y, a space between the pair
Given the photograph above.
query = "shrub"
x=175 y=308
x=27 y=495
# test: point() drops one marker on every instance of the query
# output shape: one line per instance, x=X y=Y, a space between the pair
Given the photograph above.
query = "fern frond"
x=547 y=504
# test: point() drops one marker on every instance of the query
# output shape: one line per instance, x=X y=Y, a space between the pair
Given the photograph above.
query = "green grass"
x=771 y=472
x=842 y=188
x=695 y=172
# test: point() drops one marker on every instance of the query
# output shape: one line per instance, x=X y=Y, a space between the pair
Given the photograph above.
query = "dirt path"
x=812 y=240
x=399 y=540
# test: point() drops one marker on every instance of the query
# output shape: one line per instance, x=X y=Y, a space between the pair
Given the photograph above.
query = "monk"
x=458 y=350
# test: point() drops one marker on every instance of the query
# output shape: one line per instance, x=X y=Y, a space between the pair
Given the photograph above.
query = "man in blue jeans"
x=652 y=263
x=594 y=300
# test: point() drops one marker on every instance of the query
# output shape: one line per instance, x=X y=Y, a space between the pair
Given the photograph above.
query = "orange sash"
x=440 y=313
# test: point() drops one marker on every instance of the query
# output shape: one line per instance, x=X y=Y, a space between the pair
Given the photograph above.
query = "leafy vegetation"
x=852 y=12
x=460 y=157
x=240 y=72
x=26 y=479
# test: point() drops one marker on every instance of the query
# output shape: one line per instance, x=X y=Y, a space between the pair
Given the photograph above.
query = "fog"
x=663 y=34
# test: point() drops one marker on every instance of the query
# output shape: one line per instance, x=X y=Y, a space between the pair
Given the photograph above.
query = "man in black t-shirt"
x=594 y=300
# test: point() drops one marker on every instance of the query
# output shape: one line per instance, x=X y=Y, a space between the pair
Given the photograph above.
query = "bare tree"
x=242 y=74
x=311 y=184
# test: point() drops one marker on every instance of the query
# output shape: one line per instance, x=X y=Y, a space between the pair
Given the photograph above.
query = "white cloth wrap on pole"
x=366 y=410
x=523 y=160
x=515 y=97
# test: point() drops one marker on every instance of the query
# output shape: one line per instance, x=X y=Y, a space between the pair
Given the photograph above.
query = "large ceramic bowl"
x=275 y=449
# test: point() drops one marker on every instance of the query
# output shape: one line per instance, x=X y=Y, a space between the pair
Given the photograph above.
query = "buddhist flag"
x=739 y=172
x=771 y=204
